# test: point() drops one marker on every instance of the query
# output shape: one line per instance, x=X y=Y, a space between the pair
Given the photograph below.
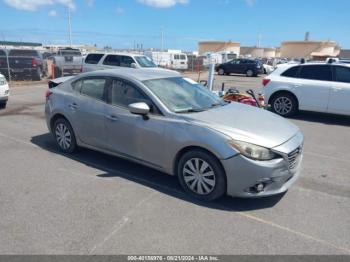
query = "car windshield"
x=183 y=95
x=145 y=61
x=70 y=53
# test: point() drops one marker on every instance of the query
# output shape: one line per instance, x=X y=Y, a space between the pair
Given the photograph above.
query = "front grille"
x=293 y=158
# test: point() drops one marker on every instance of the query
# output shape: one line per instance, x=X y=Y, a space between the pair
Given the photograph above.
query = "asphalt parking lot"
x=91 y=203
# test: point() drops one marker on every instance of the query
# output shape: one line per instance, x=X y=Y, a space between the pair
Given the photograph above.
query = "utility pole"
x=69 y=28
x=162 y=39
x=259 y=40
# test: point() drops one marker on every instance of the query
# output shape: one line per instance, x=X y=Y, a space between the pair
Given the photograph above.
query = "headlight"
x=2 y=81
x=253 y=151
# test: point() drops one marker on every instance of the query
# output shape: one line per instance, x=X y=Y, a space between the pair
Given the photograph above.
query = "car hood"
x=246 y=123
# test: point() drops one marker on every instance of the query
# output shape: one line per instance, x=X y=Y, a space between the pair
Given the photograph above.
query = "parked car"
x=171 y=123
x=3 y=63
x=67 y=61
x=4 y=91
x=100 y=61
x=319 y=87
x=171 y=60
x=249 y=67
x=24 y=64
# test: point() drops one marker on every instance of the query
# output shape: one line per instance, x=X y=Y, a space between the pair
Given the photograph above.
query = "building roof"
x=10 y=43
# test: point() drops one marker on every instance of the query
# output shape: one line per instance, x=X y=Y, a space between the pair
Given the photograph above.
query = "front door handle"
x=73 y=106
x=112 y=118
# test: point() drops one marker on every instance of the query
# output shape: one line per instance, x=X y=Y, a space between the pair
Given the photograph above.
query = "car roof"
x=115 y=53
x=141 y=74
x=284 y=67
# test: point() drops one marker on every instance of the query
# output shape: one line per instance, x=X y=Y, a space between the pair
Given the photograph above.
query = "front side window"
x=342 y=74
x=112 y=60
x=126 y=61
x=182 y=94
x=124 y=94
x=316 y=72
x=93 y=88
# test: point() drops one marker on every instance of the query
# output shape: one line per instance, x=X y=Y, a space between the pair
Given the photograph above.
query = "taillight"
x=34 y=62
x=48 y=93
x=265 y=81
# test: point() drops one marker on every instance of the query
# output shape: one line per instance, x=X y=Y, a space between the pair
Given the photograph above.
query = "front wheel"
x=284 y=104
x=249 y=73
x=201 y=175
x=64 y=136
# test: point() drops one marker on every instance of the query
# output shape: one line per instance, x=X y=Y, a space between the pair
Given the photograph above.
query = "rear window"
x=316 y=72
x=70 y=52
x=18 y=52
x=93 y=58
x=342 y=74
x=291 y=72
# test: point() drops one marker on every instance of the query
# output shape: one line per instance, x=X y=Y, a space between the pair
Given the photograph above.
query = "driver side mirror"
x=139 y=109
x=133 y=65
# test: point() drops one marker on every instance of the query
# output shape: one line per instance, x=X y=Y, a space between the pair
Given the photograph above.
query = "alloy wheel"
x=63 y=136
x=199 y=176
x=283 y=105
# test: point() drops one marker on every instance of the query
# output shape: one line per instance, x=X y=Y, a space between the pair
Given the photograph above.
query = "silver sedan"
x=168 y=122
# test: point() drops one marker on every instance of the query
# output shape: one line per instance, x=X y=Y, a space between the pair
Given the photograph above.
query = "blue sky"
x=121 y=23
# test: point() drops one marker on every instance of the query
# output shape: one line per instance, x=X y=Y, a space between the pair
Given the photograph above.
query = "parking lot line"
x=121 y=223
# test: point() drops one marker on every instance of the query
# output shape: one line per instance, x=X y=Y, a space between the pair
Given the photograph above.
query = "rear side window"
x=94 y=88
x=176 y=57
x=316 y=72
x=342 y=74
x=18 y=52
x=112 y=60
x=291 y=72
x=93 y=58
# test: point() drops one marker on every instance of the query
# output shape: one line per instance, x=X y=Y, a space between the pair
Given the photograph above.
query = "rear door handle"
x=112 y=118
x=73 y=106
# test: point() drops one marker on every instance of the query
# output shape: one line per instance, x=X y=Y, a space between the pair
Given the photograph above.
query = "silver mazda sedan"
x=163 y=120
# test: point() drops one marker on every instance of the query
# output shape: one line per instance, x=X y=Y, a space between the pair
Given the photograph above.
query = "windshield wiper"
x=190 y=110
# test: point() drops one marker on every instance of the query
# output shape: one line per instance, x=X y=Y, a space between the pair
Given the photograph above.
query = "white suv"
x=320 y=87
x=99 y=61
x=4 y=91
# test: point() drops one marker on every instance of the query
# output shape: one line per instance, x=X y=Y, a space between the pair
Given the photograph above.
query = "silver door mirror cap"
x=139 y=108
x=133 y=65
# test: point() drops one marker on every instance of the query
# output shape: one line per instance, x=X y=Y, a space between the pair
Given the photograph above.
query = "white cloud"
x=162 y=3
x=250 y=2
x=52 y=13
x=119 y=11
x=33 y=5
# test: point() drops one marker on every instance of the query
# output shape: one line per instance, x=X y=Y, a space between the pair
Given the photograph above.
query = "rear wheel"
x=64 y=135
x=249 y=73
x=221 y=71
x=3 y=104
x=201 y=175
x=284 y=104
x=37 y=76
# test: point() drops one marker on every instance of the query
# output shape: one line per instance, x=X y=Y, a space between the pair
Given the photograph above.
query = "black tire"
x=290 y=107
x=221 y=71
x=37 y=76
x=210 y=191
x=3 y=104
x=57 y=72
x=59 y=128
x=249 y=73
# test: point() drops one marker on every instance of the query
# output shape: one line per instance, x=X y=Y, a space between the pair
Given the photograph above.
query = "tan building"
x=318 y=50
x=258 y=52
x=218 y=46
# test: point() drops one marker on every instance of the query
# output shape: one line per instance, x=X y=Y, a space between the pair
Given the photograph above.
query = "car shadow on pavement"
x=116 y=167
x=328 y=119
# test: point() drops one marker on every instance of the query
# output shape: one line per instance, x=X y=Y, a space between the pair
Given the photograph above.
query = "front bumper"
x=276 y=176
x=4 y=92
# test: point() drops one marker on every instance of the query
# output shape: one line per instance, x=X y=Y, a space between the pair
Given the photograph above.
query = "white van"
x=98 y=61
x=171 y=60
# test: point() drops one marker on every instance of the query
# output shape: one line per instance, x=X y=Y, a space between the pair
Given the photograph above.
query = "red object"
x=261 y=99
x=52 y=71
x=34 y=62
x=248 y=101
x=48 y=93
x=265 y=81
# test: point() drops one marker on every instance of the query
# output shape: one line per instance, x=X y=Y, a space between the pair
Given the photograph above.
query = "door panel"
x=88 y=111
x=340 y=91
